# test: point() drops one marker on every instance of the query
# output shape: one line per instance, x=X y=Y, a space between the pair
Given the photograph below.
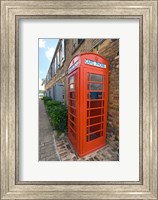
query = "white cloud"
x=42 y=43
x=49 y=53
x=41 y=87
x=41 y=72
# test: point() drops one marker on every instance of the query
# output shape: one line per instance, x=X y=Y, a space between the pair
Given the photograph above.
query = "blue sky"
x=46 y=52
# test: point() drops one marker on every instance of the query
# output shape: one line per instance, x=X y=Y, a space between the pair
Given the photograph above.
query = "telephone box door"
x=96 y=108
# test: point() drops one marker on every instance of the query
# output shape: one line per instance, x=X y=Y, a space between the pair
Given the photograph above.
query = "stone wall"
x=111 y=52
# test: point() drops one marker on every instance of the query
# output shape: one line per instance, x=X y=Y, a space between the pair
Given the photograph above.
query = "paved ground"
x=107 y=153
x=47 y=145
x=55 y=148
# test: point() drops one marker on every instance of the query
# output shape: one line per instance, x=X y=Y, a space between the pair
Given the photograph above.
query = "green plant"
x=45 y=99
x=58 y=114
x=59 y=118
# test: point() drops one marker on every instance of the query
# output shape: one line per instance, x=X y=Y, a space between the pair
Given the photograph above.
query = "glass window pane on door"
x=95 y=128
x=95 y=120
x=95 y=112
x=94 y=104
x=94 y=136
x=95 y=86
x=95 y=95
x=95 y=77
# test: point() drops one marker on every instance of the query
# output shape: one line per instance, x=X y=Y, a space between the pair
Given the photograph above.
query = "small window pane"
x=72 y=95
x=95 y=77
x=72 y=110
x=95 y=104
x=88 y=113
x=72 y=79
x=95 y=128
x=72 y=87
x=95 y=86
x=88 y=104
x=72 y=103
x=72 y=133
x=101 y=133
x=72 y=125
x=72 y=118
x=96 y=95
x=63 y=50
x=87 y=130
x=95 y=120
x=95 y=112
x=94 y=136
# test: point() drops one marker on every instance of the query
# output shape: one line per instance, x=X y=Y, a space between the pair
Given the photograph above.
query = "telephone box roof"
x=91 y=59
x=86 y=53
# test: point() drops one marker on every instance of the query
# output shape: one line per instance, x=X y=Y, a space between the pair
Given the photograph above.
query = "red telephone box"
x=87 y=102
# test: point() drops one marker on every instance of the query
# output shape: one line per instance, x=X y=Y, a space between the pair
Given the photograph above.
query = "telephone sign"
x=94 y=63
x=73 y=66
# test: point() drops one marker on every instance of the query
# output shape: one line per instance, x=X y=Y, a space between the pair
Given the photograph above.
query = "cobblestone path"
x=47 y=145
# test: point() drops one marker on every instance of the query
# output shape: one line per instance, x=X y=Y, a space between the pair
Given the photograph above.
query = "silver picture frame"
x=11 y=12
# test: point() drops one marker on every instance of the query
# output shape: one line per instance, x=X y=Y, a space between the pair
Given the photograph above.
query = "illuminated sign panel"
x=73 y=66
x=94 y=63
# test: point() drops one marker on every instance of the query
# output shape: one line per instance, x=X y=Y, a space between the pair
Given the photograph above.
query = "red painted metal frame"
x=81 y=142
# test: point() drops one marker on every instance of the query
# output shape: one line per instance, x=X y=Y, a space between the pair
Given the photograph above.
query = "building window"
x=96 y=41
x=50 y=73
x=53 y=68
x=77 y=43
x=58 y=59
x=60 y=55
x=56 y=63
x=63 y=50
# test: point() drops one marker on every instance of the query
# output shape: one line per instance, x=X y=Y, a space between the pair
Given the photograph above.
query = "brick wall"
x=111 y=52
